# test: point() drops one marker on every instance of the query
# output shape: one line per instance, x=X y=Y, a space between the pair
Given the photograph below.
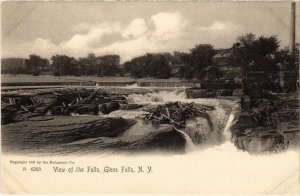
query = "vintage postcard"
x=150 y=97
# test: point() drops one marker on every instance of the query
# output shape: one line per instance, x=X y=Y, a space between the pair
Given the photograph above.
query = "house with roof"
x=221 y=62
x=221 y=58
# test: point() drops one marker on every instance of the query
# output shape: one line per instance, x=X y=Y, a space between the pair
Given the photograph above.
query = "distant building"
x=222 y=64
x=221 y=58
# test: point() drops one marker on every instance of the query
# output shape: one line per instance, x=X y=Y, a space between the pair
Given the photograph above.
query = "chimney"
x=292 y=29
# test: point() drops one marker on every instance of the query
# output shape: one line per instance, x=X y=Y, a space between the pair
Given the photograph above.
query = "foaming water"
x=130 y=86
x=144 y=98
x=126 y=114
x=210 y=131
x=228 y=125
x=157 y=97
x=154 y=85
x=214 y=130
x=189 y=146
x=219 y=169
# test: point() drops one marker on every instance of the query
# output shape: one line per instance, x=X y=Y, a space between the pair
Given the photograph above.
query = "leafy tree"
x=180 y=58
x=158 y=64
x=92 y=64
x=139 y=68
x=82 y=66
x=35 y=64
x=13 y=66
x=110 y=64
x=284 y=59
x=185 y=71
x=63 y=65
x=127 y=67
x=201 y=56
x=153 y=65
x=121 y=72
x=163 y=70
x=153 y=62
x=107 y=65
x=194 y=62
x=256 y=53
x=267 y=45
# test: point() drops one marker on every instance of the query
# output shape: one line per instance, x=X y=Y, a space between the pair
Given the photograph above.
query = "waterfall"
x=144 y=98
x=228 y=125
x=212 y=130
x=160 y=97
x=130 y=86
x=189 y=146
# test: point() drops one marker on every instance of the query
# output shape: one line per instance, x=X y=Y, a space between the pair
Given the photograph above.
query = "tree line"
x=160 y=65
x=260 y=54
x=248 y=52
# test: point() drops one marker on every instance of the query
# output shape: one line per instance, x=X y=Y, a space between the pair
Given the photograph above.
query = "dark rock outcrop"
x=46 y=132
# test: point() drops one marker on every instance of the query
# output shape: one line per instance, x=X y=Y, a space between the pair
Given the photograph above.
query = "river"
x=211 y=163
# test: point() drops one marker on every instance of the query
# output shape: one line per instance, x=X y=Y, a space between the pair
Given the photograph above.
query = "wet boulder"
x=264 y=139
x=107 y=108
x=165 y=140
x=49 y=133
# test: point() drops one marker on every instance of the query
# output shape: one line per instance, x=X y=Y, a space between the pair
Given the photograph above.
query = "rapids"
x=210 y=152
x=211 y=163
x=212 y=131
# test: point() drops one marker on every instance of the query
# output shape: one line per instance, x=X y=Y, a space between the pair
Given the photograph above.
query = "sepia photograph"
x=150 y=97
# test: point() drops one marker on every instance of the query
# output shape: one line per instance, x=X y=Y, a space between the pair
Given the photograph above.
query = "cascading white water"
x=130 y=86
x=157 y=97
x=198 y=130
x=222 y=161
x=228 y=125
x=189 y=146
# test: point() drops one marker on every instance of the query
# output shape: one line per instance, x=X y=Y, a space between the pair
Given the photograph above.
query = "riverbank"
x=99 y=103
x=7 y=78
x=208 y=158
x=51 y=110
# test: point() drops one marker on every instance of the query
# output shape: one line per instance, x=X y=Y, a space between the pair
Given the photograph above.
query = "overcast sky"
x=130 y=29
